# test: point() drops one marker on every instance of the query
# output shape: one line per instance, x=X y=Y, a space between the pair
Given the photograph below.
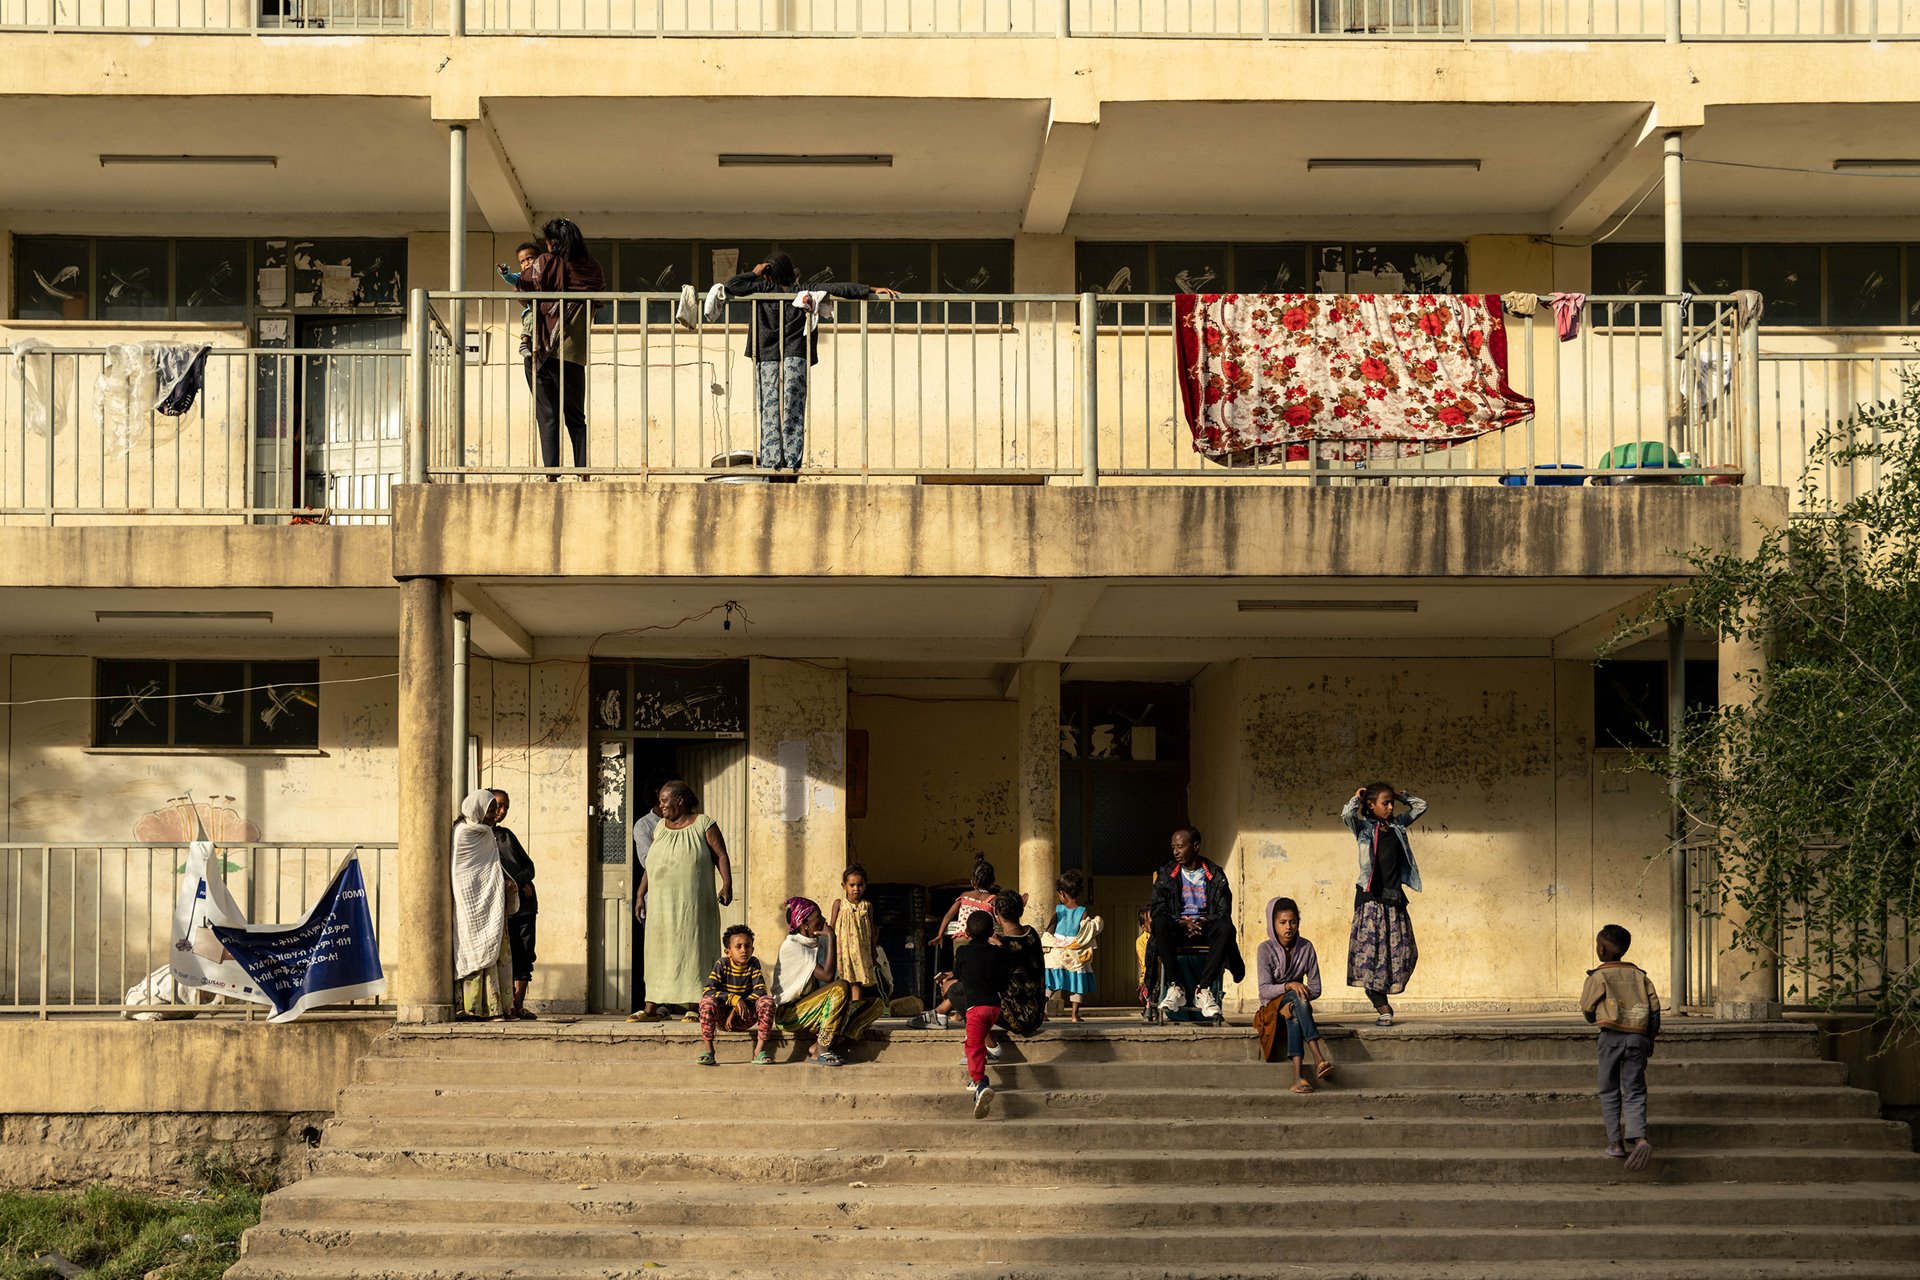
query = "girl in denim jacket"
x=1381 y=952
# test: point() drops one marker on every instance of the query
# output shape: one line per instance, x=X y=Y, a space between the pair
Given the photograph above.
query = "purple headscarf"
x=798 y=909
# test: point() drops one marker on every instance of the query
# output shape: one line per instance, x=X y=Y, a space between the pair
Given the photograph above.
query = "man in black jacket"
x=784 y=344
x=1193 y=905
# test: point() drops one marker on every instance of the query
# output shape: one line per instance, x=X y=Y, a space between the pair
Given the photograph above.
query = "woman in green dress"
x=681 y=904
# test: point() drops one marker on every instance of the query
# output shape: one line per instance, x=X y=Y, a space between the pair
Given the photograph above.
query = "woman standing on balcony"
x=679 y=901
x=560 y=338
x=480 y=910
x=784 y=344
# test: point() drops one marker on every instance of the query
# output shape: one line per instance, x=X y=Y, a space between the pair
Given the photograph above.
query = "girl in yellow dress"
x=852 y=925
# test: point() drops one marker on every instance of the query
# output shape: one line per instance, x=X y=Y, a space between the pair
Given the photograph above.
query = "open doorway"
x=1123 y=788
x=651 y=722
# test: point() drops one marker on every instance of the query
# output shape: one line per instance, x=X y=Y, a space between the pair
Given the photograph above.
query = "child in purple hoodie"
x=1289 y=974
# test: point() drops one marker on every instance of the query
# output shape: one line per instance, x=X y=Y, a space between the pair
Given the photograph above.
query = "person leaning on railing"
x=560 y=338
x=784 y=343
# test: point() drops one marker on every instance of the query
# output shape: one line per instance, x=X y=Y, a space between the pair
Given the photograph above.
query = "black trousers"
x=1170 y=935
x=560 y=388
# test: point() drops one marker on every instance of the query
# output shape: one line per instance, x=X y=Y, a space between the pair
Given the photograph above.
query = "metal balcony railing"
x=274 y=435
x=1428 y=20
x=1044 y=388
x=84 y=924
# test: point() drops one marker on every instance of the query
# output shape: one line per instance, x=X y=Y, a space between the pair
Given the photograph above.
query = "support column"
x=1672 y=322
x=461 y=703
x=423 y=987
x=457 y=281
x=1746 y=982
x=1679 y=914
x=1039 y=785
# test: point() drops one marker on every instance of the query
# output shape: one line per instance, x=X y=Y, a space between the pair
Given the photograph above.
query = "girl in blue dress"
x=1069 y=943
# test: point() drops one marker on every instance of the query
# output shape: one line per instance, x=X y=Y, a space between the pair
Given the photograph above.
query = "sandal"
x=1324 y=1071
x=525 y=1016
x=641 y=1015
x=1301 y=1086
x=827 y=1058
x=1386 y=1016
x=706 y=1058
x=763 y=1059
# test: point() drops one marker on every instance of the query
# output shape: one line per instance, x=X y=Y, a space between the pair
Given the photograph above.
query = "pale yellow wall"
x=797 y=852
x=1520 y=863
x=940 y=788
x=1216 y=786
x=531 y=722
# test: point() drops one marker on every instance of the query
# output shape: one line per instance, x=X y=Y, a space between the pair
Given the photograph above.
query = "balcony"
x=1363 y=20
x=953 y=389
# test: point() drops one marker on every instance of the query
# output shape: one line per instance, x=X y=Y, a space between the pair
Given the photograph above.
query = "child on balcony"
x=1621 y=999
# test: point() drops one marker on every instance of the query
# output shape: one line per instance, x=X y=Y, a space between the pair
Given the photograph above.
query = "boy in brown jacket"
x=1621 y=999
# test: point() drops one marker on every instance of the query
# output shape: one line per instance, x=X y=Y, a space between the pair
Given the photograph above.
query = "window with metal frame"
x=211 y=703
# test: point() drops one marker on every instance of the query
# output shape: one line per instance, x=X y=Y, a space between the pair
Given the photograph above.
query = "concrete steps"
x=556 y=1151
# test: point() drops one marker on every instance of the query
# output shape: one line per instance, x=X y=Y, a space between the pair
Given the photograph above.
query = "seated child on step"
x=1069 y=942
x=1621 y=999
x=735 y=997
x=1023 y=1001
x=1288 y=970
x=977 y=899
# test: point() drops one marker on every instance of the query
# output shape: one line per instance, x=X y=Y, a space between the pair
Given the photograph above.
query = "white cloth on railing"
x=161 y=988
x=716 y=303
x=816 y=303
x=47 y=402
x=686 y=312
x=139 y=379
x=1712 y=382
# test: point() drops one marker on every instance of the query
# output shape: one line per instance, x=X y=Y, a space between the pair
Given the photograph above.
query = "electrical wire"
x=202 y=693
x=1818 y=173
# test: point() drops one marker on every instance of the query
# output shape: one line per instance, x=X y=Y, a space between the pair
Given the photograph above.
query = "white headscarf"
x=479 y=888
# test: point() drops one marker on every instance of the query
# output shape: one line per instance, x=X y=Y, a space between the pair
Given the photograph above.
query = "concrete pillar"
x=460 y=704
x=1746 y=982
x=457 y=280
x=423 y=988
x=1672 y=322
x=1038 y=771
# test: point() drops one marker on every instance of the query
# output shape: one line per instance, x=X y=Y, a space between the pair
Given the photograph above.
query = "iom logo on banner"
x=329 y=958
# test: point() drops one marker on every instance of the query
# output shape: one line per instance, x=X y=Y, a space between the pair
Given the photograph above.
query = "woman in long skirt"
x=483 y=976
x=682 y=901
x=1381 y=952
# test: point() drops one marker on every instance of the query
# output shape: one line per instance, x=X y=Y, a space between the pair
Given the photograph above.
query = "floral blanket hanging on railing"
x=1265 y=376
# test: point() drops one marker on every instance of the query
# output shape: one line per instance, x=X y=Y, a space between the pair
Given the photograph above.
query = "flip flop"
x=1640 y=1156
x=706 y=1058
x=641 y=1015
x=1324 y=1071
x=763 y=1059
x=1301 y=1086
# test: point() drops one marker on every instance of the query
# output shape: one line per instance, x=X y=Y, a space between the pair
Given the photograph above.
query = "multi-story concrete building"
x=1009 y=609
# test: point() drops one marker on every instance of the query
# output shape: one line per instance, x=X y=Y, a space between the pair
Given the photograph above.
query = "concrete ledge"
x=109 y=1066
x=205 y=555
x=138 y=1151
x=617 y=530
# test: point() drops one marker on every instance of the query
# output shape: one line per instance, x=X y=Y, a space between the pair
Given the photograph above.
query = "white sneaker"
x=1174 y=1001
x=994 y=1051
x=982 y=1100
x=1208 y=1006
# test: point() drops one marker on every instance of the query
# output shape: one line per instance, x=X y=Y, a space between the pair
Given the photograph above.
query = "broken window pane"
x=51 y=278
x=1863 y=284
x=211 y=710
x=283 y=709
x=210 y=280
x=133 y=280
x=1788 y=277
x=133 y=708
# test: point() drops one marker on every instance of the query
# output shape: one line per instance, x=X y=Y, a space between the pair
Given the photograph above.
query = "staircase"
x=556 y=1151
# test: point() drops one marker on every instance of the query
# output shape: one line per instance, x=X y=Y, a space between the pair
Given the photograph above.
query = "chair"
x=1188 y=963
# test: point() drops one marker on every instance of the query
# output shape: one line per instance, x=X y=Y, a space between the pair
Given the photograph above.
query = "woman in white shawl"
x=481 y=956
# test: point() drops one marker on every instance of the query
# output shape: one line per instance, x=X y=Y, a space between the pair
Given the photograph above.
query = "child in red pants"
x=980 y=975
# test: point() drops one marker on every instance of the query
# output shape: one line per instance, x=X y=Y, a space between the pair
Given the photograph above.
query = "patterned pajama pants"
x=726 y=1015
x=782 y=387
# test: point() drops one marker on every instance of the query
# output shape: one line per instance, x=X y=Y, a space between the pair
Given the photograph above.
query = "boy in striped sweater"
x=735 y=997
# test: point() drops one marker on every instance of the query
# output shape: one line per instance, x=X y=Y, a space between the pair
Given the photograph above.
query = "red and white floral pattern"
x=1265 y=375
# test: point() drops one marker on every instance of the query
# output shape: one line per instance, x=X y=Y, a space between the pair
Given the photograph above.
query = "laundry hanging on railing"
x=1342 y=377
x=47 y=407
x=138 y=379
